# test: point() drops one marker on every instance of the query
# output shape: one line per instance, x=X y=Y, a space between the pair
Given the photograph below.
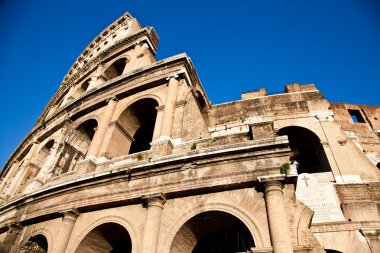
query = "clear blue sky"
x=236 y=46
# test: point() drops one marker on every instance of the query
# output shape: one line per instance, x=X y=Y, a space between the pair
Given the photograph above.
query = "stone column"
x=277 y=217
x=68 y=222
x=154 y=205
x=170 y=105
x=98 y=139
x=372 y=236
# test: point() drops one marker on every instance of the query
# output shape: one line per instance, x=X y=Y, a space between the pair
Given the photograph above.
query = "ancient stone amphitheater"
x=130 y=156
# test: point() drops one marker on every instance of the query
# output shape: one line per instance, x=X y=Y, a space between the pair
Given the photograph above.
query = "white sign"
x=320 y=197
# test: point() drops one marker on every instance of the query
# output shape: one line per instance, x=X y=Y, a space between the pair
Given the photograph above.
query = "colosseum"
x=130 y=156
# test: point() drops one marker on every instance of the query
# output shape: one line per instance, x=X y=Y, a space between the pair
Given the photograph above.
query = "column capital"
x=175 y=76
x=157 y=199
x=273 y=186
x=70 y=214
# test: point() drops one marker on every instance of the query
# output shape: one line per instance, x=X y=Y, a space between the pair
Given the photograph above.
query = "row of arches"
x=131 y=133
x=113 y=69
x=207 y=232
x=210 y=231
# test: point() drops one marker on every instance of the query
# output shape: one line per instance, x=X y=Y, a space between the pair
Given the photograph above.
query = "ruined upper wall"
x=361 y=123
x=296 y=99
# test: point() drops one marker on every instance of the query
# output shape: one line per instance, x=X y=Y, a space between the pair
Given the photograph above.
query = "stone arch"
x=307 y=148
x=124 y=106
x=215 y=231
x=36 y=165
x=40 y=241
x=76 y=145
x=343 y=241
x=133 y=128
x=43 y=153
x=120 y=223
x=116 y=67
x=234 y=211
x=82 y=88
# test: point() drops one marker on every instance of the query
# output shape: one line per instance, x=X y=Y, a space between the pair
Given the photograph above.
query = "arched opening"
x=308 y=150
x=37 y=244
x=35 y=166
x=378 y=165
x=133 y=131
x=40 y=159
x=108 y=237
x=212 y=231
x=82 y=88
x=116 y=69
x=76 y=147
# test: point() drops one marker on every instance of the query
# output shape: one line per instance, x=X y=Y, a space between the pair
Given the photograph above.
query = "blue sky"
x=236 y=46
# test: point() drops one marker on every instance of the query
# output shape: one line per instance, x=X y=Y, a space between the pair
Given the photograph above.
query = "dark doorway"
x=35 y=244
x=213 y=232
x=108 y=237
x=308 y=150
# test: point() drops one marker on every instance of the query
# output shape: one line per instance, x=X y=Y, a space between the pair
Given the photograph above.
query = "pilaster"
x=277 y=217
x=170 y=105
x=103 y=125
x=154 y=205
x=67 y=226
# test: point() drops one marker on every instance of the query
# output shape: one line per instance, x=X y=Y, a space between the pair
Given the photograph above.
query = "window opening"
x=356 y=116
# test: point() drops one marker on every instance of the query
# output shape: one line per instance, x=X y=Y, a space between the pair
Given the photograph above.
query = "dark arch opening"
x=36 y=244
x=116 y=69
x=82 y=88
x=76 y=147
x=308 y=150
x=40 y=159
x=378 y=165
x=144 y=113
x=213 y=231
x=108 y=237
x=88 y=128
x=134 y=129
